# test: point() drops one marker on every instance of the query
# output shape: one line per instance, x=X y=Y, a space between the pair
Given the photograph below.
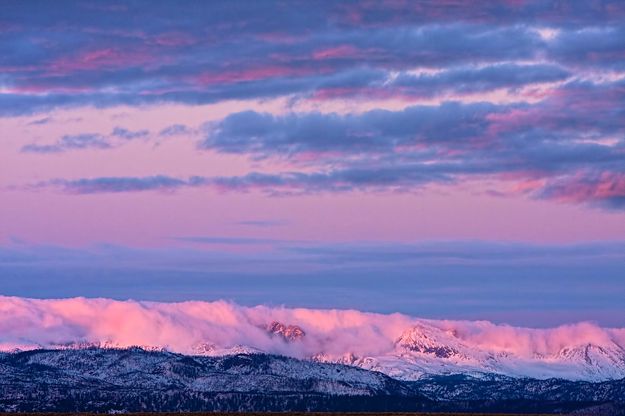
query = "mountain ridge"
x=134 y=379
x=424 y=350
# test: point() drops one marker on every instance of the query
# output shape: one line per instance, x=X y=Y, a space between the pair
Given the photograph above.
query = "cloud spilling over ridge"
x=182 y=327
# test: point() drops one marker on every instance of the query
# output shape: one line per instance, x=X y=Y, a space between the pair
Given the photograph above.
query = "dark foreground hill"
x=136 y=380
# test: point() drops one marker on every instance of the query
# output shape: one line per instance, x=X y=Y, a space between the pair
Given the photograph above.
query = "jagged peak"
x=288 y=333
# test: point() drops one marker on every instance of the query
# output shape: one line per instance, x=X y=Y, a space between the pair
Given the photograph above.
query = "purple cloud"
x=206 y=53
x=562 y=124
x=129 y=134
x=70 y=142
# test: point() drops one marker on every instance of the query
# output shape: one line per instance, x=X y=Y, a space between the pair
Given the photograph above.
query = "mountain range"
x=424 y=350
x=134 y=379
x=105 y=355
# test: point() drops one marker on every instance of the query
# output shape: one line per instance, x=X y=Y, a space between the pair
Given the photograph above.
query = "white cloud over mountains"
x=182 y=327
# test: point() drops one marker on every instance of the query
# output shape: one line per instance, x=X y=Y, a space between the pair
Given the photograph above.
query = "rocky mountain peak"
x=288 y=333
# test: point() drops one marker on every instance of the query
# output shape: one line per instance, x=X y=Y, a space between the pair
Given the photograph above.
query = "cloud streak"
x=209 y=53
x=87 y=141
x=70 y=142
x=120 y=184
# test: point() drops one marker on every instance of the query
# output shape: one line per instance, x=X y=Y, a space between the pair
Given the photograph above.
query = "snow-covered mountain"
x=96 y=379
x=105 y=379
x=424 y=350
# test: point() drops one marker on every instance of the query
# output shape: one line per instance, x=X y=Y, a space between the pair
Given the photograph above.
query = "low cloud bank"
x=186 y=326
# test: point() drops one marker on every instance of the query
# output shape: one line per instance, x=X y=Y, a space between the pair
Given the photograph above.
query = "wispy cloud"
x=262 y=223
x=40 y=121
x=129 y=134
x=231 y=240
x=70 y=142
x=175 y=130
x=86 y=141
x=119 y=184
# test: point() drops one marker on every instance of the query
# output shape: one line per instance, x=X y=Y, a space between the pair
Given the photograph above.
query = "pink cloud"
x=341 y=51
x=97 y=59
x=182 y=327
x=227 y=76
x=587 y=187
x=174 y=39
x=371 y=93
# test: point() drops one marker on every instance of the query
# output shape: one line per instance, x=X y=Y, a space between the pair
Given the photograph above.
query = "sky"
x=444 y=159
